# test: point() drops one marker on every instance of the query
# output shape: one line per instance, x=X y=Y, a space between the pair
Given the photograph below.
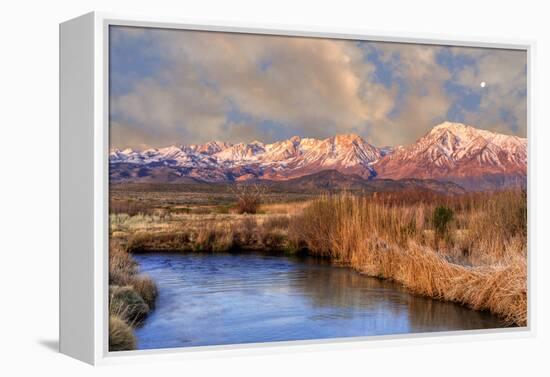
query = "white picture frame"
x=84 y=148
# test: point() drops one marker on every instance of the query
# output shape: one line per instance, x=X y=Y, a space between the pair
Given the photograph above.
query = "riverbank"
x=477 y=256
x=131 y=297
x=468 y=249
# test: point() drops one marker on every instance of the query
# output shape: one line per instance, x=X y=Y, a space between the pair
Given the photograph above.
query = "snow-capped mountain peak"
x=283 y=159
x=449 y=151
x=455 y=150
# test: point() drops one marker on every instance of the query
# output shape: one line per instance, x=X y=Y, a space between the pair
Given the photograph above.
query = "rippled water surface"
x=208 y=299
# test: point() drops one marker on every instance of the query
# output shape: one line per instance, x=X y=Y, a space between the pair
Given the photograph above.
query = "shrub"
x=248 y=198
x=442 y=218
x=121 y=336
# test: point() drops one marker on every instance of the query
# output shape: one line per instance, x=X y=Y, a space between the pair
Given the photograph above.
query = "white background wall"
x=29 y=188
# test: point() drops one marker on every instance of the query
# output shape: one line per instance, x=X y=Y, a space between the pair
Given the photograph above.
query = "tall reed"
x=481 y=264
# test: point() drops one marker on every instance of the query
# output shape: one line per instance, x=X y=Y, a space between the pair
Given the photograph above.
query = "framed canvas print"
x=227 y=187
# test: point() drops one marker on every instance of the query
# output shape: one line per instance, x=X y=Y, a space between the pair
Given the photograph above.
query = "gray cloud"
x=240 y=87
x=504 y=72
x=425 y=100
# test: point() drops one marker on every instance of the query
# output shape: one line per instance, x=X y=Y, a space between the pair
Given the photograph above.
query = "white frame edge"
x=80 y=275
x=76 y=182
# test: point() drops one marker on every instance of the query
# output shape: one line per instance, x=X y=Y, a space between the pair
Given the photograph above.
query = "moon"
x=483 y=84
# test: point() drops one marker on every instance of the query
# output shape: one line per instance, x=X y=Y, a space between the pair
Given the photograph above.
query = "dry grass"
x=146 y=288
x=484 y=267
x=123 y=222
x=131 y=297
x=127 y=304
x=276 y=222
x=130 y=207
x=291 y=208
x=157 y=241
x=479 y=260
x=122 y=268
x=214 y=234
x=121 y=335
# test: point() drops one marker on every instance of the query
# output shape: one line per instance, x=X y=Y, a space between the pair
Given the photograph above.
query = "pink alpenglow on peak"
x=471 y=157
x=459 y=153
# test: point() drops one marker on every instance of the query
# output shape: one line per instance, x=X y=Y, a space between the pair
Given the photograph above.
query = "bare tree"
x=249 y=197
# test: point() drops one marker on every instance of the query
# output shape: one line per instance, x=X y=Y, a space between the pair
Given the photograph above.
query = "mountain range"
x=473 y=158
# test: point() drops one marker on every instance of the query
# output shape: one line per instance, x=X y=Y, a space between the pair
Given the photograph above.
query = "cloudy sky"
x=182 y=87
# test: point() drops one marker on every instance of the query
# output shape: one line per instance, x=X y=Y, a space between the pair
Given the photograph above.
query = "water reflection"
x=240 y=298
x=342 y=288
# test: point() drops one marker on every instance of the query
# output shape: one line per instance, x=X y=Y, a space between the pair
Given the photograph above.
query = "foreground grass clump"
x=481 y=263
x=131 y=297
x=146 y=288
x=121 y=335
x=128 y=304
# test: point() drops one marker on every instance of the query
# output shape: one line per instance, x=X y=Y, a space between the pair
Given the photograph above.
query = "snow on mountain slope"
x=450 y=151
x=348 y=154
x=454 y=151
x=241 y=152
x=285 y=159
x=286 y=149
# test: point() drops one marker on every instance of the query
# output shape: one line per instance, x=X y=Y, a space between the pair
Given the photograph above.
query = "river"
x=211 y=299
